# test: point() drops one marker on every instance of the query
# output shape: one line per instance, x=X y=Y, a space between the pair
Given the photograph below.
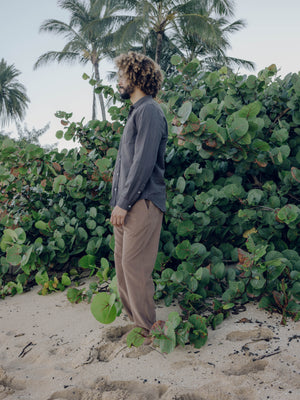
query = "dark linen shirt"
x=140 y=167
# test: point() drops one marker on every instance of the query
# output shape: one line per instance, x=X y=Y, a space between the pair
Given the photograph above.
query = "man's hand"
x=118 y=216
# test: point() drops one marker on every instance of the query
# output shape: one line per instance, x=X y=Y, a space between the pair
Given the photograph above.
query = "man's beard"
x=127 y=91
x=125 y=95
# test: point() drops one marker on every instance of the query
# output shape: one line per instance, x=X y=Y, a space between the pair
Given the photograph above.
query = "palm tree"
x=159 y=16
x=211 y=49
x=89 y=35
x=13 y=98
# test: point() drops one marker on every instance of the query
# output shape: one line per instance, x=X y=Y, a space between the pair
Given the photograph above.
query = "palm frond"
x=58 y=56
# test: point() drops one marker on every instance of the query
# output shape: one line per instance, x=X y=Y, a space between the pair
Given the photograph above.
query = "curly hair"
x=141 y=71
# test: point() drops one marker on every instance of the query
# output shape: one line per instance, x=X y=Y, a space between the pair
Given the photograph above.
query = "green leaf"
x=228 y=306
x=185 y=111
x=251 y=81
x=102 y=310
x=58 y=183
x=229 y=102
x=250 y=110
x=212 y=127
x=202 y=275
x=217 y=320
x=13 y=254
x=203 y=201
x=255 y=196
x=65 y=280
x=192 y=284
x=59 y=134
x=179 y=199
x=103 y=164
x=258 y=282
x=43 y=226
x=289 y=213
x=183 y=249
x=218 y=270
x=182 y=334
x=174 y=319
x=233 y=191
x=265 y=302
x=197 y=93
x=87 y=261
x=280 y=135
x=167 y=273
x=26 y=256
x=190 y=68
x=208 y=109
x=176 y=59
x=104 y=263
x=184 y=228
x=177 y=276
x=239 y=126
x=260 y=145
x=41 y=277
x=60 y=221
x=295 y=174
x=135 y=338
x=198 y=335
x=93 y=212
x=180 y=185
x=75 y=295
x=275 y=268
x=91 y=224
x=212 y=79
x=167 y=342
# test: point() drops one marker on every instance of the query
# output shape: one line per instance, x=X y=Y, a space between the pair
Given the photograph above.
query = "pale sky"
x=272 y=36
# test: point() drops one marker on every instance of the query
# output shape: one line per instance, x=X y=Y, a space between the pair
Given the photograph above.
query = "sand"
x=51 y=349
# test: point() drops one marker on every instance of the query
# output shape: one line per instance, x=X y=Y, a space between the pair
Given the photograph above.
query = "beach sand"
x=51 y=349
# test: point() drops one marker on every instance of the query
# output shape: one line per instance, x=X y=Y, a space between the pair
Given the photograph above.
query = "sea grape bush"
x=54 y=209
x=231 y=230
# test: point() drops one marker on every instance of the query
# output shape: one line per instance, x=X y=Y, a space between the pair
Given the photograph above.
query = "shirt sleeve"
x=150 y=126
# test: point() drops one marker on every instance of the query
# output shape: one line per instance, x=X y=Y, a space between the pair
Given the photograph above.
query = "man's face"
x=125 y=87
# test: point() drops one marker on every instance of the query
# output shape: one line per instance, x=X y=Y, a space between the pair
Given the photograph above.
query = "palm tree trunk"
x=101 y=100
x=158 y=47
x=94 y=106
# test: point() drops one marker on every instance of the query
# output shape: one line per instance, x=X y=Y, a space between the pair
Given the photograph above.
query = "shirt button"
x=139 y=192
x=115 y=189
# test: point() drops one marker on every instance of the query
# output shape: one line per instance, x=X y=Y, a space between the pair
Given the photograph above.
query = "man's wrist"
x=122 y=203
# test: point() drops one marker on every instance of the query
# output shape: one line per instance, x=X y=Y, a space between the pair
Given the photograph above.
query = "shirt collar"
x=141 y=101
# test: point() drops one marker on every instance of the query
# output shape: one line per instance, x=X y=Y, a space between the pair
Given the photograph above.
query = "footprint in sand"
x=253 y=334
x=252 y=366
x=117 y=333
x=9 y=385
x=104 y=389
x=115 y=342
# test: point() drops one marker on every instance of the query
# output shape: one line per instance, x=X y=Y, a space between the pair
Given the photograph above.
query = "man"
x=138 y=189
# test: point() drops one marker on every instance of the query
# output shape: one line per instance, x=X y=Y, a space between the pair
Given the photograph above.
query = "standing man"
x=138 y=189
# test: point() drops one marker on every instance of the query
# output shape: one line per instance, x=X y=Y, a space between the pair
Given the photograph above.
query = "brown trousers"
x=136 y=246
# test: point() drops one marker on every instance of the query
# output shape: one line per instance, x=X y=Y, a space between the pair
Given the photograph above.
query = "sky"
x=272 y=36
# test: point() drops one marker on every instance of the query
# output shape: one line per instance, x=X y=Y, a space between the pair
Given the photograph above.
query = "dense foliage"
x=231 y=230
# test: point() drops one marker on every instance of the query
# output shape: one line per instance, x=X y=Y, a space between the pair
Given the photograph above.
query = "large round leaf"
x=240 y=126
x=102 y=310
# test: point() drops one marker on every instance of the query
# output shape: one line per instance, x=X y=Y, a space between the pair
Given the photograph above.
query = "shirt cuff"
x=123 y=203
